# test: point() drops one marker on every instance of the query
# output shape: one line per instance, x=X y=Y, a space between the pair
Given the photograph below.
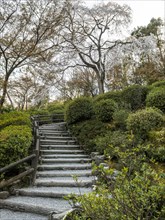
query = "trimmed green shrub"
x=111 y=140
x=115 y=95
x=87 y=131
x=79 y=109
x=143 y=121
x=14 y=118
x=120 y=118
x=14 y=143
x=104 y=109
x=156 y=98
x=156 y=145
x=55 y=107
x=135 y=96
x=38 y=112
x=158 y=84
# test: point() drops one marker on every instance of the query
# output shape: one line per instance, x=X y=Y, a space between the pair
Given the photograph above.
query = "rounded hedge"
x=79 y=109
x=15 y=142
x=115 y=95
x=157 y=145
x=143 y=121
x=135 y=96
x=156 y=98
x=120 y=118
x=104 y=110
x=55 y=107
x=14 y=118
x=160 y=83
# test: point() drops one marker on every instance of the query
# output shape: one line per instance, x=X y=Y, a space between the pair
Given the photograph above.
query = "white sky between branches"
x=142 y=10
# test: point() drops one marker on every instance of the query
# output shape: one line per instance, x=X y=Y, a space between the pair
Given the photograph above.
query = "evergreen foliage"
x=143 y=121
x=156 y=98
x=15 y=141
x=135 y=96
x=104 y=109
x=78 y=110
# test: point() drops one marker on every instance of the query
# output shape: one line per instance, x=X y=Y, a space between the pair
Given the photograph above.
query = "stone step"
x=47 y=129
x=63 y=173
x=56 y=138
x=54 y=126
x=53 y=192
x=54 y=133
x=51 y=156
x=65 y=160
x=57 y=142
x=59 y=147
x=38 y=205
x=65 y=181
x=69 y=152
x=6 y=214
x=74 y=166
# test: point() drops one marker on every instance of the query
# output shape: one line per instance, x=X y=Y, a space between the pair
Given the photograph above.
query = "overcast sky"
x=142 y=10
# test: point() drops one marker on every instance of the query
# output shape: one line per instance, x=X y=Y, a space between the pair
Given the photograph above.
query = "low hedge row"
x=14 y=118
x=15 y=141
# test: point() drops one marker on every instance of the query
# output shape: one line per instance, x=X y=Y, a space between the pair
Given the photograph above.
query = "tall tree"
x=28 y=30
x=89 y=34
x=152 y=66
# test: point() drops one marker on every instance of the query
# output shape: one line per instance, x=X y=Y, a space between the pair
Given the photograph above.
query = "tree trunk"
x=4 y=92
x=101 y=86
x=11 y=102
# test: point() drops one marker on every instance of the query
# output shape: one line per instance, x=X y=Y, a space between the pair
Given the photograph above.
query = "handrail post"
x=36 y=159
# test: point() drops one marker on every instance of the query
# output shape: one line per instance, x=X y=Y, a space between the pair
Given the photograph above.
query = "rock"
x=4 y=195
x=63 y=215
x=99 y=159
x=93 y=154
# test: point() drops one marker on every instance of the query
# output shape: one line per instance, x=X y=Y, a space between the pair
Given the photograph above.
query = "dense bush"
x=115 y=95
x=140 y=196
x=55 y=107
x=120 y=118
x=14 y=143
x=14 y=118
x=112 y=139
x=156 y=145
x=158 y=84
x=135 y=96
x=78 y=110
x=104 y=109
x=34 y=111
x=87 y=131
x=143 y=121
x=156 y=98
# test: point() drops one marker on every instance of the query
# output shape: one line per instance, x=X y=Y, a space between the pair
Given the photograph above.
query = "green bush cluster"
x=156 y=98
x=156 y=145
x=143 y=121
x=135 y=96
x=115 y=95
x=55 y=107
x=87 y=131
x=15 y=141
x=78 y=110
x=104 y=109
x=120 y=118
x=14 y=118
x=140 y=196
x=107 y=143
x=34 y=111
x=132 y=137
x=157 y=84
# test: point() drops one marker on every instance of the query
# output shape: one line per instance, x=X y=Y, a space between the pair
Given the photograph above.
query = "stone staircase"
x=63 y=169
